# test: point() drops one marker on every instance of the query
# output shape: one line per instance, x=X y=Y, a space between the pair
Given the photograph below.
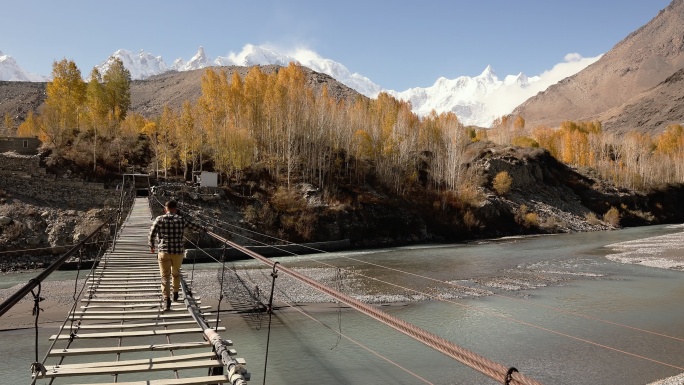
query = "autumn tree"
x=117 y=88
x=65 y=96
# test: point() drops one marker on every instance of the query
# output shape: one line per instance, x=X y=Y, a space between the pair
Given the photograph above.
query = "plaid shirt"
x=168 y=230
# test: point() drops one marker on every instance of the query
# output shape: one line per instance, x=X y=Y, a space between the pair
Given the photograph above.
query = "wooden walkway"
x=120 y=334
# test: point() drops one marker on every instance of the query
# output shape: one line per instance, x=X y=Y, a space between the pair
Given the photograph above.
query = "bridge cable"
x=483 y=365
x=338 y=332
x=37 y=366
x=501 y=316
x=486 y=292
x=72 y=311
x=274 y=275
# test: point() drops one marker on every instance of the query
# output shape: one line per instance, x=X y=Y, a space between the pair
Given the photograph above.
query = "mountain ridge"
x=445 y=95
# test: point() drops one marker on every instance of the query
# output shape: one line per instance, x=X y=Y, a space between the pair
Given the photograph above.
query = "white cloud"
x=573 y=57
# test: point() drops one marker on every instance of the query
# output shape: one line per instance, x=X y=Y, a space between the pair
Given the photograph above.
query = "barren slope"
x=639 y=62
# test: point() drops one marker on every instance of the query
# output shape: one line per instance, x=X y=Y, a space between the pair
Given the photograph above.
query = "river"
x=564 y=313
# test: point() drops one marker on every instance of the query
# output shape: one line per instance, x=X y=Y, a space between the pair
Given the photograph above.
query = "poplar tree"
x=117 y=86
x=65 y=96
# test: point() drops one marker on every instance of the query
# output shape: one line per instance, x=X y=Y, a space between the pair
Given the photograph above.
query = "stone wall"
x=21 y=163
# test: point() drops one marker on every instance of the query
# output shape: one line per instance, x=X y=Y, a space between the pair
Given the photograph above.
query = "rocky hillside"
x=623 y=79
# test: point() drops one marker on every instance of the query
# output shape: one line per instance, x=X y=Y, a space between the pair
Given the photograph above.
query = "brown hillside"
x=149 y=96
x=641 y=61
x=20 y=98
x=653 y=109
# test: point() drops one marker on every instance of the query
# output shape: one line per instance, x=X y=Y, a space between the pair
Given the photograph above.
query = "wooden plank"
x=115 y=304
x=132 y=289
x=122 y=279
x=129 y=295
x=121 y=300
x=128 y=349
x=56 y=372
x=130 y=300
x=180 y=307
x=119 y=285
x=154 y=360
x=206 y=380
x=138 y=333
x=137 y=325
x=156 y=316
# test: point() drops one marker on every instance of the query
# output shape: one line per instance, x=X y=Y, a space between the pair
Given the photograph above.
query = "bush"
x=524 y=141
x=470 y=220
x=502 y=183
x=612 y=217
x=591 y=218
x=531 y=219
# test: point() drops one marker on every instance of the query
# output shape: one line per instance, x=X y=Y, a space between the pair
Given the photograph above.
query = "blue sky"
x=397 y=44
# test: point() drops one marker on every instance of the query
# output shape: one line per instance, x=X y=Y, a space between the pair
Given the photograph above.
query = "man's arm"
x=152 y=235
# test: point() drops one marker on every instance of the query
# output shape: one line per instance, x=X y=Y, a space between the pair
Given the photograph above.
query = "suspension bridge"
x=118 y=329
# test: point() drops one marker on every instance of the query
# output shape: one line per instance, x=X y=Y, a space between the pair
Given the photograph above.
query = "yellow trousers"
x=169 y=267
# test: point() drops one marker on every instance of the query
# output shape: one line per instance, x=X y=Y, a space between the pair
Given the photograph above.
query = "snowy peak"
x=11 y=71
x=141 y=66
x=488 y=76
x=199 y=61
x=252 y=55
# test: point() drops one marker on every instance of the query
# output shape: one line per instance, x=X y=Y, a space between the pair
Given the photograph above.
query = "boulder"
x=4 y=221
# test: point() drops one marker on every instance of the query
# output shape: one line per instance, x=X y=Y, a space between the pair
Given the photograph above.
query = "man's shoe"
x=168 y=304
x=175 y=296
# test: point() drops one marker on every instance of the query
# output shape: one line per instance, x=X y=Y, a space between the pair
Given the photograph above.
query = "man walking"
x=167 y=230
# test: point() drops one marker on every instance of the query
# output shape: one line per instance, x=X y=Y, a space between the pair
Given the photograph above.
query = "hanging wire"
x=223 y=275
x=338 y=287
x=486 y=292
x=274 y=275
x=37 y=366
x=71 y=312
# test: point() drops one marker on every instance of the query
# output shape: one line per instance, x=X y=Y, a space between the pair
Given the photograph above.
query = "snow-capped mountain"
x=475 y=100
x=141 y=66
x=467 y=97
x=11 y=71
x=254 y=55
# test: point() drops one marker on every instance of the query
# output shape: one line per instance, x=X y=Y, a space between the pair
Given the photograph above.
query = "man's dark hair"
x=172 y=204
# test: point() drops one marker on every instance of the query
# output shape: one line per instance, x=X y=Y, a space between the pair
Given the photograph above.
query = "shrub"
x=524 y=141
x=591 y=218
x=502 y=183
x=612 y=217
x=470 y=220
x=531 y=219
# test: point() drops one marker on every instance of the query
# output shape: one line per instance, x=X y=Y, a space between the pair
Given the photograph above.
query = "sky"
x=397 y=44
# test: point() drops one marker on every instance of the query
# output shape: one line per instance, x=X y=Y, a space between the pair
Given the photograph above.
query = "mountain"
x=141 y=66
x=11 y=71
x=475 y=100
x=627 y=78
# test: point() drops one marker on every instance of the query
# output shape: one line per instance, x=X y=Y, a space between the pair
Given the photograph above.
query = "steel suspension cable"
x=509 y=318
x=342 y=335
x=481 y=290
x=484 y=291
x=485 y=366
x=501 y=316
